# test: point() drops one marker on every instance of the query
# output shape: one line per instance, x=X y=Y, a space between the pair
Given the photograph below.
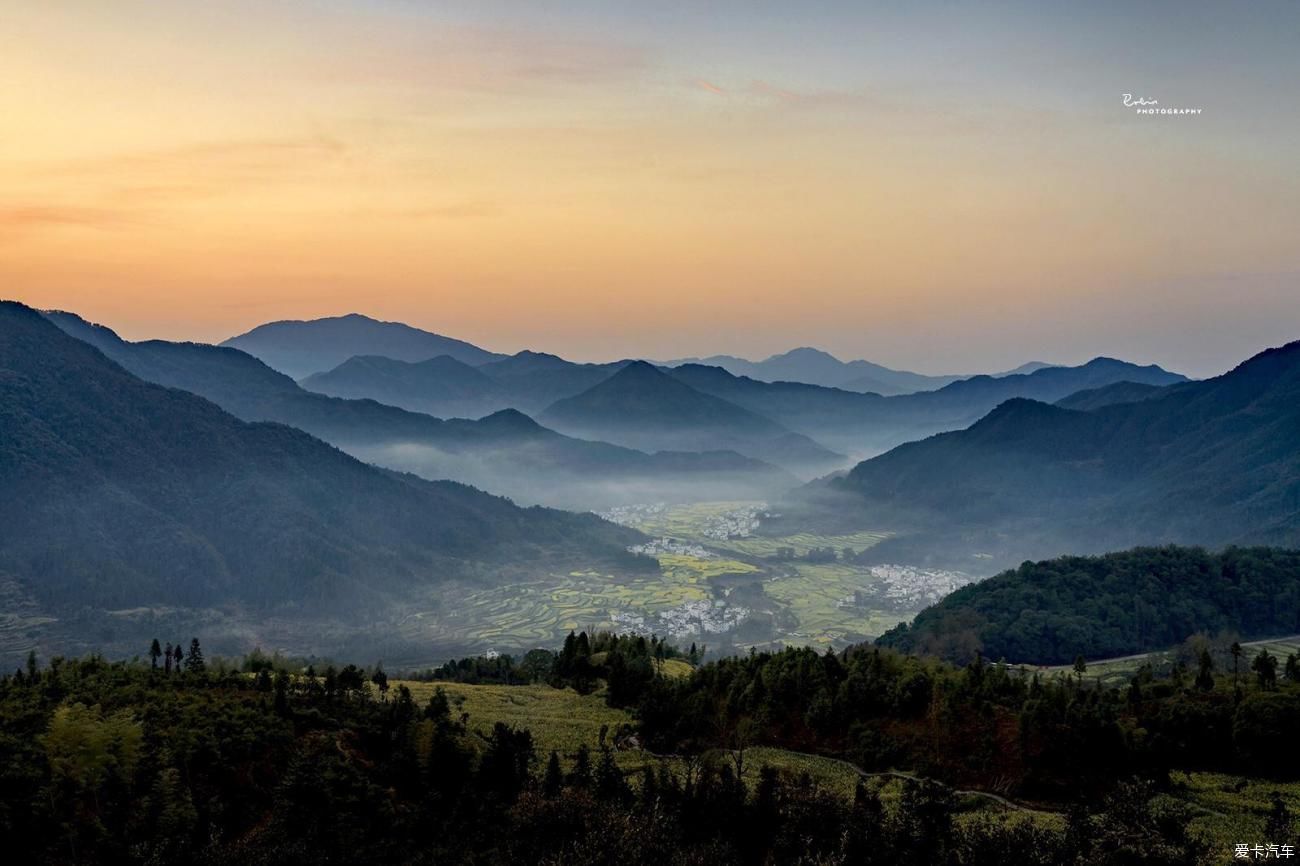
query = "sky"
x=945 y=187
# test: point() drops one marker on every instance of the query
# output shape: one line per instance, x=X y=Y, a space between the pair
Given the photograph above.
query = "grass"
x=560 y=720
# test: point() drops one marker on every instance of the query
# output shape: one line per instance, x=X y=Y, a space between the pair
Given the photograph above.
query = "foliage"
x=1118 y=604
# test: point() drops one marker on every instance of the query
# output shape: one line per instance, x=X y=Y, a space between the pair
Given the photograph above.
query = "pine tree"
x=553 y=781
x=155 y=652
x=580 y=777
x=611 y=787
x=167 y=659
x=1205 y=674
x=380 y=679
x=194 y=661
x=1265 y=667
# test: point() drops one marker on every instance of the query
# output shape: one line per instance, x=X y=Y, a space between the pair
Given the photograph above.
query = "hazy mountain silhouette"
x=122 y=493
x=301 y=348
x=535 y=380
x=644 y=407
x=867 y=424
x=1120 y=392
x=1213 y=462
x=440 y=386
x=814 y=367
x=506 y=453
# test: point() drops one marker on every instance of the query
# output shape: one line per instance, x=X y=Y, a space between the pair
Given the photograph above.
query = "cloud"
x=227 y=154
x=42 y=216
x=709 y=86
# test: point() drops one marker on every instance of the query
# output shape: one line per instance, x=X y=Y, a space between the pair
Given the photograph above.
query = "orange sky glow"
x=602 y=189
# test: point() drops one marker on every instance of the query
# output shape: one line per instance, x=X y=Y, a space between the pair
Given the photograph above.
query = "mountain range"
x=1214 y=462
x=641 y=406
x=121 y=494
x=303 y=349
x=868 y=424
x=815 y=367
x=506 y=452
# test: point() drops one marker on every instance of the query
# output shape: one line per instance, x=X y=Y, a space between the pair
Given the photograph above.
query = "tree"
x=380 y=679
x=1292 y=669
x=179 y=655
x=1080 y=668
x=1236 y=651
x=167 y=659
x=1265 y=668
x=194 y=661
x=611 y=787
x=553 y=781
x=580 y=776
x=155 y=652
x=1205 y=673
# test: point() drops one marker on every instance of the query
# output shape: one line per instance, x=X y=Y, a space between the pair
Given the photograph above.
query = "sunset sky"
x=945 y=187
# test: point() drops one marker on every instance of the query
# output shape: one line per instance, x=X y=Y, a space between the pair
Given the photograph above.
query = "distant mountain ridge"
x=301 y=348
x=440 y=386
x=815 y=367
x=643 y=406
x=1212 y=462
x=865 y=424
x=507 y=452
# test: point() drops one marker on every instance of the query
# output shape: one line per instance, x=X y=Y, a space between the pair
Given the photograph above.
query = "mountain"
x=1120 y=392
x=811 y=366
x=507 y=452
x=643 y=407
x=299 y=348
x=867 y=424
x=814 y=367
x=1214 y=462
x=440 y=386
x=121 y=494
x=535 y=380
x=1119 y=604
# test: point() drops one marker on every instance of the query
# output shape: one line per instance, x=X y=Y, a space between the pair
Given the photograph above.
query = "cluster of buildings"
x=699 y=617
x=659 y=546
x=740 y=523
x=906 y=588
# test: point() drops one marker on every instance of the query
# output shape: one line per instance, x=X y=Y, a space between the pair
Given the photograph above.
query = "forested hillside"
x=1118 y=604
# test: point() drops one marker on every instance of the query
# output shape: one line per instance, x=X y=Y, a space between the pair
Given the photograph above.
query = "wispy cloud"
x=229 y=154
x=709 y=87
x=28 y=216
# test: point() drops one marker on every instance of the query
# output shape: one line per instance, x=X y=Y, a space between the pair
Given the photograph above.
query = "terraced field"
x=817 y=595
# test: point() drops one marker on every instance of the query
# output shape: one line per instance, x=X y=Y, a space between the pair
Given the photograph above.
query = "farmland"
x=719 y=583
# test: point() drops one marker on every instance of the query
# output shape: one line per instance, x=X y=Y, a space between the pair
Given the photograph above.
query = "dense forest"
x=179 y=760
x=1117 y=604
